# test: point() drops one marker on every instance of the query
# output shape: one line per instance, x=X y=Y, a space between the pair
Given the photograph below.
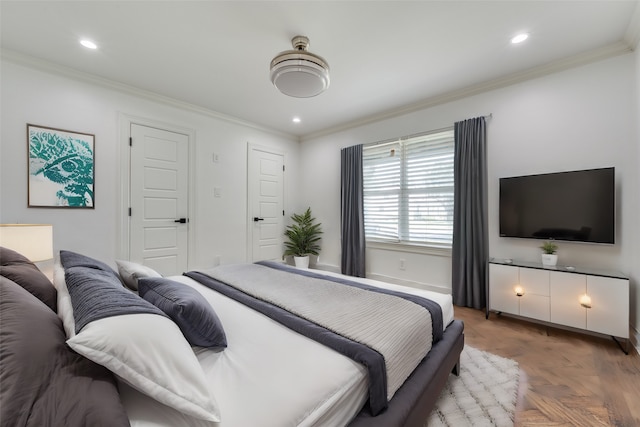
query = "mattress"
x=444 y=300
x=269 y=375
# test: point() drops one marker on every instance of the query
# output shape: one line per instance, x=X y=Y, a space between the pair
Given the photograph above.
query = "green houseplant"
x=303 y=238
x=549 y=249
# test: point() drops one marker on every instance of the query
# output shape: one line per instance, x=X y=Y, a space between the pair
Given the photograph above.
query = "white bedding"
x=269 y=375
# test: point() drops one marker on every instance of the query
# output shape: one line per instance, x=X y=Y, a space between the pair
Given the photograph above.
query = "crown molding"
x=50 y=67
x=595 y=55
x=632 y=33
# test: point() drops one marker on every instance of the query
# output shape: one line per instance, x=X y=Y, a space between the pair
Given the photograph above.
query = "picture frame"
x=61 y=168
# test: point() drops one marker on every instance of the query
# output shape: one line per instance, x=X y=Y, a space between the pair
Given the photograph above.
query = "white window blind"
x=408 y=190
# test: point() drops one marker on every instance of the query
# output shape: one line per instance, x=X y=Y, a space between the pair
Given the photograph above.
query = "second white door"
x=266 y=205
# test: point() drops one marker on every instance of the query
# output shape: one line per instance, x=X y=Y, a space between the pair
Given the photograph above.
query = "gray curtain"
x=352 y=212
x=470 y=250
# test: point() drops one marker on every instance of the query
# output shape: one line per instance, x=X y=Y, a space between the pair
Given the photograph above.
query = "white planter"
x=301 y=261
x=549 y=259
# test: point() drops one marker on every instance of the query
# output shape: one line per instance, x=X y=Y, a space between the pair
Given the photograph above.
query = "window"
x=408 y=190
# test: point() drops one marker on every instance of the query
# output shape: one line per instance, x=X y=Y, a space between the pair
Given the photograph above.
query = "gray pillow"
x=187 y=308
x=96 y=291
x=20 y=270
x=44 y=382
x=72 y=259
x=131 y=272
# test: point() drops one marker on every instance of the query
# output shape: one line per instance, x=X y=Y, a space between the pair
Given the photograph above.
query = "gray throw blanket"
x=396 y=328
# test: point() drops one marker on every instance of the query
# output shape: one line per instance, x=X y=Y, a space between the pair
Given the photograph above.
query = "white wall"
x=579 y=118
x=33 y=96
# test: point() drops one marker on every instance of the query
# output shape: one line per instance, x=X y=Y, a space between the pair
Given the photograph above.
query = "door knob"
x=182 y=220
x=256 y=219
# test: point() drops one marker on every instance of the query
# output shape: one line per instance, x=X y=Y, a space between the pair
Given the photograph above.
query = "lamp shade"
x=34 y=241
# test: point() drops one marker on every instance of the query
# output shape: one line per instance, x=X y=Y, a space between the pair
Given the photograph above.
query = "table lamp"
x=34 y=241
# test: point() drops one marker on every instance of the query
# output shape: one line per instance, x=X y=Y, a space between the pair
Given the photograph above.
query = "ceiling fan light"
x=299 y=73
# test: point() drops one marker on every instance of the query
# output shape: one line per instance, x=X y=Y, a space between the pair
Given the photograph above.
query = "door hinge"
x=283 y=212
x=129 y=211
x=282 y=168
x=130 y=142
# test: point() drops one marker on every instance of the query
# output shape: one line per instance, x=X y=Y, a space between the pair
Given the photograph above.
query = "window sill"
x=414 y=249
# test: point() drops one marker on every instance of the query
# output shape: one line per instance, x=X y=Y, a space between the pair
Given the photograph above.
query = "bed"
x=244 y=368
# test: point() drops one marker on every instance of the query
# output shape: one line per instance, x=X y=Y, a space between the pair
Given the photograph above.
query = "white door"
x=266 y=205
x=159 y=199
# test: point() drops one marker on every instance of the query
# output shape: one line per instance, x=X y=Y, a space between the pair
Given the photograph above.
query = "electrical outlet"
x=216 y=158
x=216 y=260
x=401 y=266
x=217 y=192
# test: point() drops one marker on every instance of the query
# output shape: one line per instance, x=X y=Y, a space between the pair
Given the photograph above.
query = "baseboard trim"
x=327 y=267
x=389 y=279
x=410 y=283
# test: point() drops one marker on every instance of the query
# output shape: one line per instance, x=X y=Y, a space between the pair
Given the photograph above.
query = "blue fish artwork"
x=60 y=168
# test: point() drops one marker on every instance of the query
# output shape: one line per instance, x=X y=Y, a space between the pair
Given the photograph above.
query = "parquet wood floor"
x=566 y=378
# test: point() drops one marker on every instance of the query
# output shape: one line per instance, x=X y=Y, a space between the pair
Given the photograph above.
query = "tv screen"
x=577 y=206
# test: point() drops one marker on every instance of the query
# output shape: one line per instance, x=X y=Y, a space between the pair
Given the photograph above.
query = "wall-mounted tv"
x=577 y=206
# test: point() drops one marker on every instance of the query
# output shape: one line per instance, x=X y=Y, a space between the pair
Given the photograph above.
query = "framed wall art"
x=61 y=168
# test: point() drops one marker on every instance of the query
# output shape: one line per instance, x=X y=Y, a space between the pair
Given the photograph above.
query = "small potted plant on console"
x=549 y=256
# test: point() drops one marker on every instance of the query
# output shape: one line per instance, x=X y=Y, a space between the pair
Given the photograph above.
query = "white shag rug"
x=484 y=394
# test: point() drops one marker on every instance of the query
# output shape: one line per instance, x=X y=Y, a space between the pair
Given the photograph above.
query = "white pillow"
x=65 y=309
x=149 y=352
x=130 y=272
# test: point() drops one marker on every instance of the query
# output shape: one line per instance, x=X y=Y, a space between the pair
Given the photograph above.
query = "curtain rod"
x=486 y=116
x=400 y=138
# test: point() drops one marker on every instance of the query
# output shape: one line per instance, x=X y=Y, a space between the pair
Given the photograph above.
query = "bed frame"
x=414 y=401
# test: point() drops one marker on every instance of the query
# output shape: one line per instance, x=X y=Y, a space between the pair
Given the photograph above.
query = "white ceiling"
x=385 y=56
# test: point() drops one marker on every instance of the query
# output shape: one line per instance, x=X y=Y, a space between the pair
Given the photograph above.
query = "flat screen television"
x=576 y=206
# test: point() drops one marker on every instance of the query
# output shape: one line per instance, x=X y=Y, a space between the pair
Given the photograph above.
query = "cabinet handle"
x=585 y=301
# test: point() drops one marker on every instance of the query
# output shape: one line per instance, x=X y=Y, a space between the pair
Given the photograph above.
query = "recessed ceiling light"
x=296 y=120
x=519 y=38
x=88 y=44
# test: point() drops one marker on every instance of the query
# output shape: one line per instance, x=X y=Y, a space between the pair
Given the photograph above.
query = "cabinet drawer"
x=502 y=282
x=565 y=290
x=535 y=306
x=534 y=281
x=609 y=312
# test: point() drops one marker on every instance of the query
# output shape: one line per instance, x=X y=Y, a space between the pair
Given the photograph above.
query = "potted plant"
x=549 y=256
x=303 y=238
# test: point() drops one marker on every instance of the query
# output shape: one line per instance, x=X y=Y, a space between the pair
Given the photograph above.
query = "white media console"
x=581 y=298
